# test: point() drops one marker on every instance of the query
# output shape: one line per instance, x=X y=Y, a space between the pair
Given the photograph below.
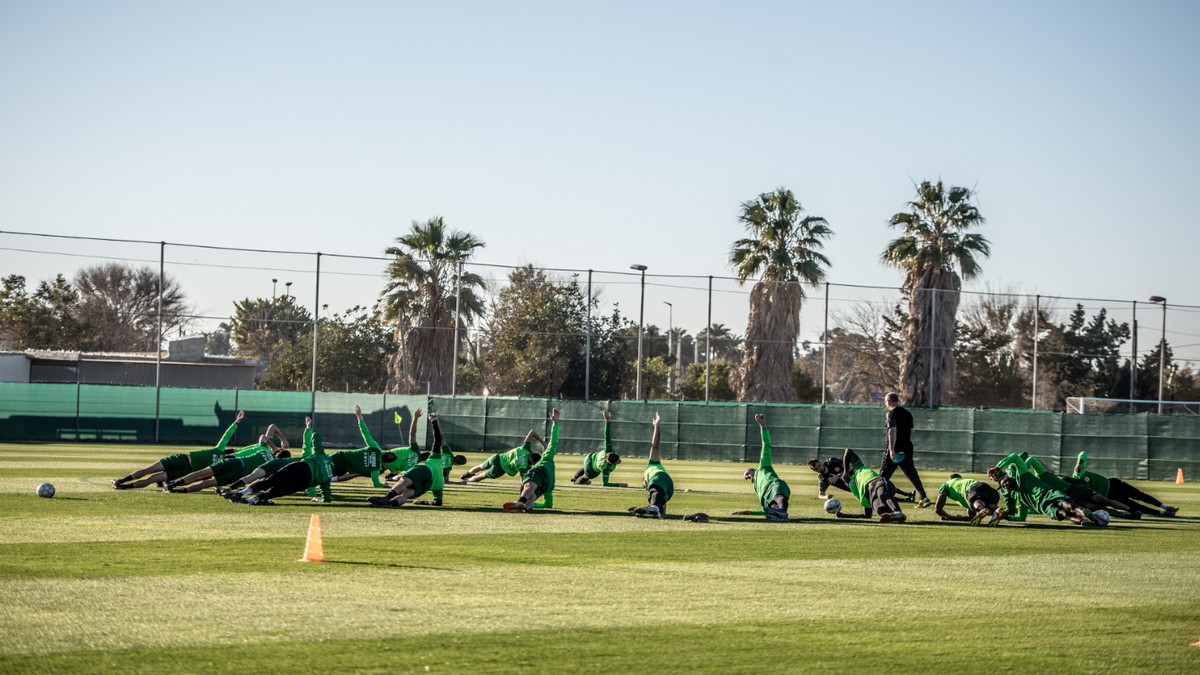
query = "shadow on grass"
x=382 y=564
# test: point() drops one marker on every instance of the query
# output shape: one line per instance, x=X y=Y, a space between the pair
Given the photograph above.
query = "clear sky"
x=595 y=135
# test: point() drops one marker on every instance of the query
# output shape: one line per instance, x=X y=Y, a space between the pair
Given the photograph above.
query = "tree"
x=726 y=345
x=614 y=355
x=119 y=306
x=537 y=336
x=45 y=320
x=353 y=350
x=427 y=288
x=692 y=386
x=1083 y=357
x=991 y=371
x=783 y=251
x=263 y=328
x=220 y=341
x=936 y=252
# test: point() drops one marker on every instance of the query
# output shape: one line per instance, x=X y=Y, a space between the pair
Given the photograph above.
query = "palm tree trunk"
x=928 y=373
x=771 y=330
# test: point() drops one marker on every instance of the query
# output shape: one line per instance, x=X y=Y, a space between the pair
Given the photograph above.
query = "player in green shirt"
x=873 y=491
x=600 y=464
x=981 y=500
x=424 y=477
x=314 y=470
x=350 y=464
x=178 y=465
x=655 y=480
x=1077 y=490
x=226 y=470
x=1115 y=488
x=539 y=480
x=1025 y=493
x=517 y=460
x=773 y=493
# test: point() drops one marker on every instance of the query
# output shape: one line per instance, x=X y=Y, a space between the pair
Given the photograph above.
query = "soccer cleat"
x=118 y=485
x=696 y=517
x=381 y=502
x=924 y=502
x=261 y=502
x=463 y=478
x=980 y=515
x=650 y=511
x=1090 y=517
x=514 y=507
x=1168 y=511
x=775 y=515
x=996 y=518
x=894 y=517
x=583 y=481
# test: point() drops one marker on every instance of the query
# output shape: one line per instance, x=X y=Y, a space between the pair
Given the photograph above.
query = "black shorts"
x=882 y=494
x=981 y=491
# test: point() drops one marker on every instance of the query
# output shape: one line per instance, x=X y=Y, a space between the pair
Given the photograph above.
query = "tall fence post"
x=587 y=350
x=708 y=344
x=1133 y=370
x=162 y=247
x=825 y=347
x=1037 y=315
x=316 y=332
x=457 y=315
x=78 y=388
x=931 y=388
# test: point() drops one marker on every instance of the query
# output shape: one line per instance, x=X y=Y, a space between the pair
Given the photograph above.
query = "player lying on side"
x=981 y=501
x=874 y=492
x=517 y=460
x=830 y=474
x=655 y=480
x=1079 y=493
x=314 y=470
x=538 y=482
x=1115 y=488
x=602 y=463
x=173 y=467
x=773 y=493
x=366 y=461
x=426 y=476
x=1025 y=493
x=230 y=468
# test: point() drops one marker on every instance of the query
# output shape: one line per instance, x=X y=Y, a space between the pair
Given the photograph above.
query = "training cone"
x=1179 y=476
x=314 y=547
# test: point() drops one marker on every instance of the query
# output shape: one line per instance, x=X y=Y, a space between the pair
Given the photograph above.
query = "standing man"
x=900 y=447
x=772 y=492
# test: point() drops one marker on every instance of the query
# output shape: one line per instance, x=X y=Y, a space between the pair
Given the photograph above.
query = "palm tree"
x=934 y=251
x=420 y=302
x=725 y=343
x=783 y=251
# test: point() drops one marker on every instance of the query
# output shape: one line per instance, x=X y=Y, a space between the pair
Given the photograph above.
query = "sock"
x=252 y=500
x=244 y=493
x=126 y=479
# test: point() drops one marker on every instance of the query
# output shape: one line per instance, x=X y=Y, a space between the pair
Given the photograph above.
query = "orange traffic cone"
x=1179 y=476
x=314 y=547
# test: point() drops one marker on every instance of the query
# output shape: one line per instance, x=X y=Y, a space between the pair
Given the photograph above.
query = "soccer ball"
x=1102 y=517
x=832 y=505
x=45 y=490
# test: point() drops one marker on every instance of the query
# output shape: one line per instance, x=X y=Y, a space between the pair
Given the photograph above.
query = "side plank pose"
x=1025 y=493
x=872 y=490
x=227 y=469
x=655 y=480
x=1115 y=488
x=314 y=470
x=773 y=493
x=367 y=461
x=517 y=460
x=425 y=477
x=600 y=464
x=174 y=467
x=539 y=480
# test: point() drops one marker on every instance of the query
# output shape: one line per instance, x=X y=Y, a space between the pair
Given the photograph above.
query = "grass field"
x=141 y=581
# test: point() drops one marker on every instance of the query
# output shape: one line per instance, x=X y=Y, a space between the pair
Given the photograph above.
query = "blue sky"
x=592 y=136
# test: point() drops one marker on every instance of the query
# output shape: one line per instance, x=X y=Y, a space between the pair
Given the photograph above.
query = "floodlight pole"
x=641 y=323
x=670 y=344
x=1162 y=349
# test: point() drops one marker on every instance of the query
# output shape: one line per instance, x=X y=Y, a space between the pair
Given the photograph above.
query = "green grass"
x=141 y=581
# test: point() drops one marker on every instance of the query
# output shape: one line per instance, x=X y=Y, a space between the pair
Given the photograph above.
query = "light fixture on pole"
x=670 y=346
x=287 y=288
x=1162 y=349
x=273 y=283
x=641 y=322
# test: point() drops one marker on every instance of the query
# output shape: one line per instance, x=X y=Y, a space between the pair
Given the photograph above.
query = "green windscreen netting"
x=1141 y=445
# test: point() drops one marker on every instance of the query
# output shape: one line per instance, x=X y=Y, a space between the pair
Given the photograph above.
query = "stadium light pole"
x=274 y=283
x=670 y=344
x=287 y=285
x=641 y=323
x=1162 y=349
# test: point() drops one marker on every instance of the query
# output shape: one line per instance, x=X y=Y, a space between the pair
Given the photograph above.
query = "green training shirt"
x=516 y=460
x=1101 y=484
x=857 y=479
x=767 y=483
x=406 y=458
x=956 y=489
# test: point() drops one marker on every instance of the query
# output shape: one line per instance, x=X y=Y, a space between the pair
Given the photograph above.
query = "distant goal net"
x=1087 y=406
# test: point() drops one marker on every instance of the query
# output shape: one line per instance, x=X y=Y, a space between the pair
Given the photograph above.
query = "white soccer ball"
x=1102 y=517
x=45 y=490
x=833 y=505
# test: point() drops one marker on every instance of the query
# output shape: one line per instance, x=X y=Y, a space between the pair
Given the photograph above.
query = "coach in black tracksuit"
x=899 y=441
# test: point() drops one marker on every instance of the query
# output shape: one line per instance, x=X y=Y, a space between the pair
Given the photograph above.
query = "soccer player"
x=517 y=460
x=900 y=447
x=1025 y=493
x=655 y=481
x=872 y=490
x=830 y=474
x=176 y=466
x=424 y=477
x=773 y=493
x=314 y=470
x=228 y=469
x=1115 y=488
x=1078 y=492
x=600 y=464
x=981 y=500
x=350 y=464
x=539 y=480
